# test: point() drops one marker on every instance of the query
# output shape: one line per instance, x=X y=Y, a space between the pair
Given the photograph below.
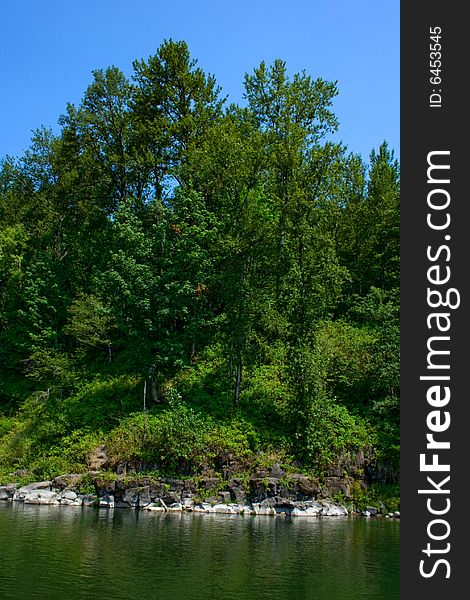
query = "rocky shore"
x=294 y=496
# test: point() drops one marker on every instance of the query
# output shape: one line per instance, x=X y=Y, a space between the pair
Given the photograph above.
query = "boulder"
x=333 y=510
x=97 y=458
x=7 y=491
x=223 y=508
x=237 y=490
x=41 y=497
x=66 y=481
x=69 y=495
x=70 y=498
x=89 y=500
x=106 y=501
x=224 y=497
x=154 y=507
x=187 y=503
x=23 y=491
x=301 y=486
x=276 y=471
x=202 y=507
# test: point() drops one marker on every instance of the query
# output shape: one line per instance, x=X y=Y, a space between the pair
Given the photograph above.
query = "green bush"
x=332 y=436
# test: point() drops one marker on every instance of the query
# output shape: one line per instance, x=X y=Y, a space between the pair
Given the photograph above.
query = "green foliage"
x=384 y=497
x=231 y=262
x=100 y=403
x=333 y=436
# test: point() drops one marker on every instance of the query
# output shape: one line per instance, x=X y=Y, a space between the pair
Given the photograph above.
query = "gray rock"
x=237 y=490
x=69 y=495
x=223 y=508
x=209 y=483
x=107 y=501
x=89 y=500
x=202 y=507
x=224 y=497
x=41 y=497
x=7 y=491
x=171 y=497
x=332 y=510
x=366 y=513
x=67 y=502
x=23 y=491
x=299 y=512
x=154 y=507
x=176 y=506
x=396 y=514
x=372 y=510
x=66 y=481
x=276 y=471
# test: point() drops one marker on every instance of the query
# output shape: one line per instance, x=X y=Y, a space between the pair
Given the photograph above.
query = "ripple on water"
x=82 y=553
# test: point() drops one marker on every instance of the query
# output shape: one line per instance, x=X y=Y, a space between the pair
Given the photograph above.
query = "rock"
x=333 y=510
x=187 y=503
x=176 y=506
x=266 y=510
x=137 y=497
x=89 y=500
x=121 y=469
x=307 y=509
x=41 y=497
x=7 y=491
x=104 y=486
x=23 y=491
x=69 y=495
x=66 y=481
x=301 y=486
x=366 y=513
x=237 y=490
x=97 y=458
x=106 y=501
x=276 y=471
x=264 y=488
x=338 y=485
x=372 y=510
x=223 y=508
x=154 y=507
x=396 y=514
x=224 y=497
x=202 y=507
x=171 y=497
x=68 y=499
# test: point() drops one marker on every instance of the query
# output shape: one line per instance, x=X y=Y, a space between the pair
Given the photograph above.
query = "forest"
x=192 y=283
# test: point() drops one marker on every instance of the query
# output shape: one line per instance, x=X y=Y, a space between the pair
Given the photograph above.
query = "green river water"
x=73 y=553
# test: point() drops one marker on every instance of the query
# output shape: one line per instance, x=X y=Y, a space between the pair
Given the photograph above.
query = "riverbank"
x=294 y=495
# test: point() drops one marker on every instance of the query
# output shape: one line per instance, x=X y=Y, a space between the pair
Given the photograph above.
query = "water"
x=81 y=553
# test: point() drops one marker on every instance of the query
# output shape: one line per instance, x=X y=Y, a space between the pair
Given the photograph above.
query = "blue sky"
x=48 y=50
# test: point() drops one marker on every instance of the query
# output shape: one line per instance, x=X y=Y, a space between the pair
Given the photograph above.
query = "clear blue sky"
x=48 y=50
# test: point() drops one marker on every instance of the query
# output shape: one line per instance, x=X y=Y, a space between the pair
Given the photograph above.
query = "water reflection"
x=122 y=554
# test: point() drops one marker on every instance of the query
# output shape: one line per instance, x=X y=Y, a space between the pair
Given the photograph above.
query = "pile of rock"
x=43 y=492
x=263 y=494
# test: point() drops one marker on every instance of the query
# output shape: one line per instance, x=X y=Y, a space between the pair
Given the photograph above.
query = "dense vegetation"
x=199 y=285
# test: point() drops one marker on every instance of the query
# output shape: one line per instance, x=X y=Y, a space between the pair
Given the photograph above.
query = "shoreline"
x=174 y=496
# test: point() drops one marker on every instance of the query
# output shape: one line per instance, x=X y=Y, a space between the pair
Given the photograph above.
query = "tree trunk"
x=153 y=390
